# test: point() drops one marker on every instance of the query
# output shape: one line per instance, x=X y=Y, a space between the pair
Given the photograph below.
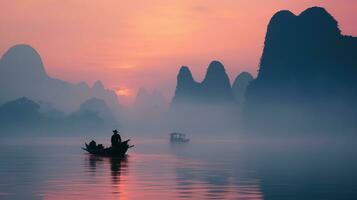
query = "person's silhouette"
x=116 y=139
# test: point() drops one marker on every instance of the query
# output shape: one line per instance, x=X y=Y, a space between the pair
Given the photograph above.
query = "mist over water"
x=289 y=133
x=205 y=168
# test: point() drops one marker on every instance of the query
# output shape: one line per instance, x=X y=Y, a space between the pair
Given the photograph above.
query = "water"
x=56 y=168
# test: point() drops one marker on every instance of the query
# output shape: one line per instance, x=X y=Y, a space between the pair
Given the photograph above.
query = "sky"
x=133 y=44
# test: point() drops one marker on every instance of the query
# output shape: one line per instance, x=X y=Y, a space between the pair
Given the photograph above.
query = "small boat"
x=99 y=150
x=178 y=138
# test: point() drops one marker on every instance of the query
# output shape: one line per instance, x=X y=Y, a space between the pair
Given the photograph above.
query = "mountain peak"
x=22 y=62
x=240 y=85
x=98 y=85
x=320 y=21
x=282 y=15
x=216 y=74
x=315 y=11
x=243 y=77
x=216 y=84
x=314 y=21
x=305 y=66
x=215 y=66
x=185 y=75
x=22 y=103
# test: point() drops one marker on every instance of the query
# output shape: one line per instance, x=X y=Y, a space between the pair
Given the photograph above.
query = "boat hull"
x=118 y=151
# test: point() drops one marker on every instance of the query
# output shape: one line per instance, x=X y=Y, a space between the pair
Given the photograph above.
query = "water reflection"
x=93 y=160
x=179 y=149
x=215 y=183
x=279 y=169
x=117 y=166
x=302 y=169
x=175 y=176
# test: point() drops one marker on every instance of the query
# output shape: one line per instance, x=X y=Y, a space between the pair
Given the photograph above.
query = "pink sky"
x=132 y=44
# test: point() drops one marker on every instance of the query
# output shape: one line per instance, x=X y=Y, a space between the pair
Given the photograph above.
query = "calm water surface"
x=56 y=168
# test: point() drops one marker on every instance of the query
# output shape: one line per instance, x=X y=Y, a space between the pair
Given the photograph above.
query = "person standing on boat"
x=116 y=139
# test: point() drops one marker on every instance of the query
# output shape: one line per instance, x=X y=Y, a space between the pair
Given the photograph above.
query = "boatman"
x=116 y=139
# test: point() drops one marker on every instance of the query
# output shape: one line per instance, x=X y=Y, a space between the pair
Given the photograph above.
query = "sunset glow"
x=178 y=99
x=124 y=92
x=136 y=42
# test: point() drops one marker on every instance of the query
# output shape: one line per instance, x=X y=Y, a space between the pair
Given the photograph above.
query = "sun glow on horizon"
x=124 y=92
x=132 y=42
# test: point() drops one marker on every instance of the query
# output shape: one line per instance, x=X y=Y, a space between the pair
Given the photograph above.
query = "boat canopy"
x=177 y=135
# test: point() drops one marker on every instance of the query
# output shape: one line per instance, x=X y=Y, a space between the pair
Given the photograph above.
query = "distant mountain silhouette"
x=215 y=88
x=101 y=109
x=187 y=89
x=147 y=101
x=203 y=107
x=24 y=116
x=148 y=112
x=307 y=77
x=240 y=85
x=19 y=111
x=22 y=74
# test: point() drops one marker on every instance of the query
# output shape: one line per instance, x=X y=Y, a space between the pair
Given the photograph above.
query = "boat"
x=178 y=138
x=99 y=150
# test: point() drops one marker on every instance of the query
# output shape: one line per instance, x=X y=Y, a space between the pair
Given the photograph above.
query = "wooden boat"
x=118 y=151
x=178 y=138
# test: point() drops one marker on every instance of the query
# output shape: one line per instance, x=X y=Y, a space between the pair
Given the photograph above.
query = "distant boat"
x=99 y=150
x=178 y=138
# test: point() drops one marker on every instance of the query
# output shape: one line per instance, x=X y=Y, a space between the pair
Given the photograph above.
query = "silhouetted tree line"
x=24 y=115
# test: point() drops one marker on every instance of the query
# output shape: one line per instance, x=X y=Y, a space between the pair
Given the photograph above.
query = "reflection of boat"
x=118 y=151
x=118 y=165
x=178 y=138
